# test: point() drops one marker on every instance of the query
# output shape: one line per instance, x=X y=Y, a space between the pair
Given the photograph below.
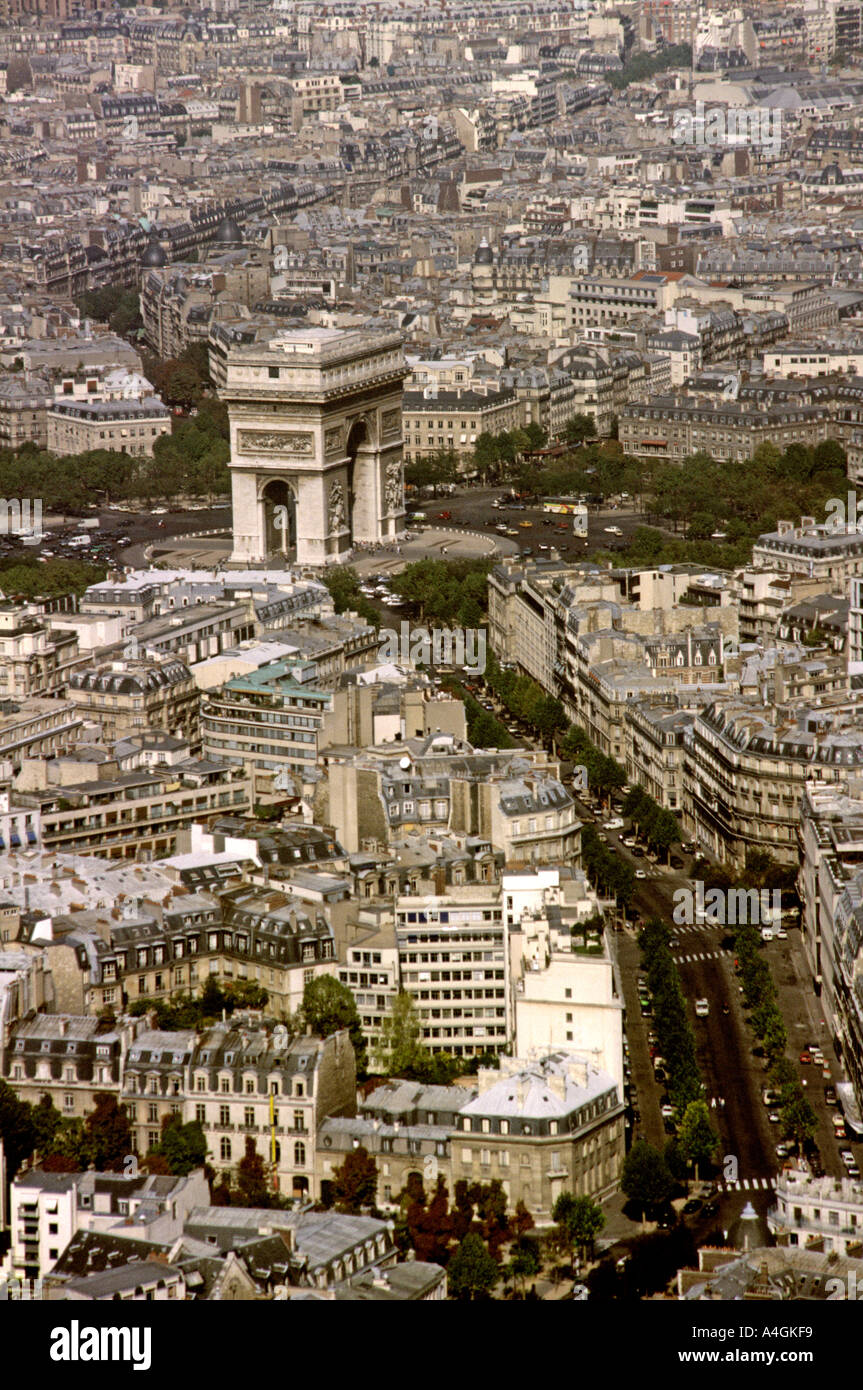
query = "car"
x=829 y=1095
x=781 y=934
x=676 y=862
x=613 y=530
x=692 y=1206
x=630 y=842
x=817 y=1056
x=444 y=516
x=711 y=1208
x=660 y=1076
x=616 y=823
x=783 y=1150
x=640 y=873
x=846 y=1155
x=805 y=1058
x=852 y=1170
x=666 y=1220
x=773 y=1116
x=638 y=852
x=526 y=524
x=667 y=1112
x=702 y=1008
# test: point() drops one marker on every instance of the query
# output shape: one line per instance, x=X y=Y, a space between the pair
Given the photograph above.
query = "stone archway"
x=318 y=410
x=363 y=483
x=280 y=517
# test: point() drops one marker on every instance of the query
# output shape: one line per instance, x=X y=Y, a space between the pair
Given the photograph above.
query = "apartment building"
x=24 y=401
x=542 y=1127
x=276 y=1090
x=406 y=1126
x=440 y=420
x=265 y=722
x=673 y=427
x=603 y=301
x=453 y=960
x=811 y=550
x=655 y=744
x=135 y=813
x=826 y=1212
x=34 y=660
x=250 y=934
x=36 y=728
x=371 y=972
x=198 y=631
x=566 y=990
x=47 y=1210
x=132 y=694
x=747 y=763
x=71 y=1059
x=126 y=426
x=383 y=795
x=830 y=882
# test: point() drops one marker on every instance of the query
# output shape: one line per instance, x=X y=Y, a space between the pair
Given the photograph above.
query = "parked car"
x=702 y=1008
x=805 y=1058
x=692 y=1206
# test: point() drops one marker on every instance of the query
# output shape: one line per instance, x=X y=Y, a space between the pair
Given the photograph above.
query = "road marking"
x=744 y=1185
x=704 y=955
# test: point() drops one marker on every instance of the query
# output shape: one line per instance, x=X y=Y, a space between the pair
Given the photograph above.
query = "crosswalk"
x=699 y=955
x=747 y=1185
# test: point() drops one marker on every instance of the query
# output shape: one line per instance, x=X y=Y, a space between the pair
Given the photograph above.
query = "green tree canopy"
x=328 y=1006
x=355 y=1182
x=472 y=1272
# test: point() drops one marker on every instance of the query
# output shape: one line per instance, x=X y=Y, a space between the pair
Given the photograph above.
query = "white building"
x=828 y=1210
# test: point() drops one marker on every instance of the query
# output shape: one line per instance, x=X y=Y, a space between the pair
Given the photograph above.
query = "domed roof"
x=484 y=254
x=228 y=232
x=154 y=256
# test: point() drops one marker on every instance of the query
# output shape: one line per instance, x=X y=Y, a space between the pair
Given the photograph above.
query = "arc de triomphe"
x=316 y=443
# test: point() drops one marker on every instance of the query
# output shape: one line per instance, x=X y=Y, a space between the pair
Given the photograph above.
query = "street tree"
x=355 y=1182
x=108 y=1133
x=697 y=1140
x=645 y=1178
x=579 y=1221
x=472 y=1272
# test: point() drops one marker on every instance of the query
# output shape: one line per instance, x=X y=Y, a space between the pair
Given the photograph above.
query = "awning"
x=658 y=443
